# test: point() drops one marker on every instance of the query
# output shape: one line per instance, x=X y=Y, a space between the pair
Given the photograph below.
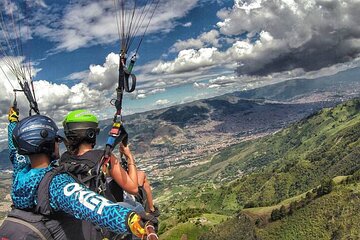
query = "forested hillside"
x=272 y=171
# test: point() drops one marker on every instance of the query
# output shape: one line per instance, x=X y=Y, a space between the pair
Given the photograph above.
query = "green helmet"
x=79 y=126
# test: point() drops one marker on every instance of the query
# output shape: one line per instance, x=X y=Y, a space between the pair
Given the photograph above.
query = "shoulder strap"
x=90 y=158
x=93 y=155
x=43 y=196
x=67 y=158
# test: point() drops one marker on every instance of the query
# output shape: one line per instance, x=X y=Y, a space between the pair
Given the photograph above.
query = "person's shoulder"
x=62 y=179
x=63 y=175
x=94 y=154
x=37 y=171
x=98 y=151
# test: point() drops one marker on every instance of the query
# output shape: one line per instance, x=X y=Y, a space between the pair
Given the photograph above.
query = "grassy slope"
x=299 y=157
x=276 y=167
x=333 y=216
x=194 y=227
x=288 y=163
x=265 y=212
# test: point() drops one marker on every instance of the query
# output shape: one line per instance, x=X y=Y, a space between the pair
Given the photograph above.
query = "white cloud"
x=78 y=75
x=248 y=5
x=83 y=24
x=104 y=76
x=224 y=81
x=188 y=60
x=145 y=92
x=190 y=43
x=200 y=85
x=37 y=3
x=156 y=90
x=188 y=24
x=192 y=59
x=210 y=38
x=53 y=99
x=299 y=30
x=272 y=37
x=214 y=86
x=168 y=79
x=141 y=96
x=162 y=102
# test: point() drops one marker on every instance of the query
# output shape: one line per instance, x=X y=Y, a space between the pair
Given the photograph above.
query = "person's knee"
x=141 y=177
x=147 y=186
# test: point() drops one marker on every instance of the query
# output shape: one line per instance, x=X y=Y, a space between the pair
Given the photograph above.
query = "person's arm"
x=75 y=199
x=126 y=180
x=18 y=161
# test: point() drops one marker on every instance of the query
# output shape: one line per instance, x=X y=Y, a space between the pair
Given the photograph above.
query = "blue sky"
x=194 y=49
x=154 y=47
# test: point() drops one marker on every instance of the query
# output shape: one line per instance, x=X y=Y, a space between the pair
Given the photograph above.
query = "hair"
x=78 y=137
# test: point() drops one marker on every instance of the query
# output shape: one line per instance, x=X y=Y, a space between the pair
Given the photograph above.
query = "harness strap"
x=28 y=225
x=86 y=179
x=43 y=196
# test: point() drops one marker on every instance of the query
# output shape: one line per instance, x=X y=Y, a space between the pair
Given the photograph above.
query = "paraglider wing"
x=14 y=63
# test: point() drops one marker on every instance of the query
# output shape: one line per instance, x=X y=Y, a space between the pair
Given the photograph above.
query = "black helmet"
x=80 y=126
x=35 y=134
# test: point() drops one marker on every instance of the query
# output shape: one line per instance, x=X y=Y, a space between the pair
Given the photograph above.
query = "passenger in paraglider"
x=81 y=128
x=46 y=199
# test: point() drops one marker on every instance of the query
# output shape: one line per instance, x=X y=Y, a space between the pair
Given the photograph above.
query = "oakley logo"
x=87 y=198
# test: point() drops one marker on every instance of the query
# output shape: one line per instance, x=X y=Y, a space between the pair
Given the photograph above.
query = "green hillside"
x=298 y=158
x=331 y=216
x=5 y=201
x=267 y=171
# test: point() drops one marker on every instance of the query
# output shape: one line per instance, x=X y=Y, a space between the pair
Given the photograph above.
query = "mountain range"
x=183 y=135
x=302 y=182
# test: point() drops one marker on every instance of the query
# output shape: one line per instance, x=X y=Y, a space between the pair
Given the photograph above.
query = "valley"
x=233 y=159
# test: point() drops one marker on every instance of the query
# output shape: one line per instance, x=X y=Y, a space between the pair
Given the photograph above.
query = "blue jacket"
x=66 y=194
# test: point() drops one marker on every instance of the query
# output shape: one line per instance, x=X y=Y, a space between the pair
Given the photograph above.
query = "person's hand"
x=137 y=223
x=125 y=150
x=148 y=218
x=13 y=115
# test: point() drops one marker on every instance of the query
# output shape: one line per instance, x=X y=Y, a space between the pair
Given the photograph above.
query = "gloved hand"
x=13 y=115
x=138 y=222
x=156 y=212
x=135 y=225
x=151 y=218
x=148 y=218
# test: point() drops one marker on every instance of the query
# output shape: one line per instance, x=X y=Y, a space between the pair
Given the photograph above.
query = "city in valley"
x=168 y=145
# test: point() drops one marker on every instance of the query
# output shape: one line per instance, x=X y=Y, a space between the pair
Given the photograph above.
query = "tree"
x=250 y=204
x=293 y=207
x=325 y=188
x=282 y=211
x=309 y=197
x=275 y=215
